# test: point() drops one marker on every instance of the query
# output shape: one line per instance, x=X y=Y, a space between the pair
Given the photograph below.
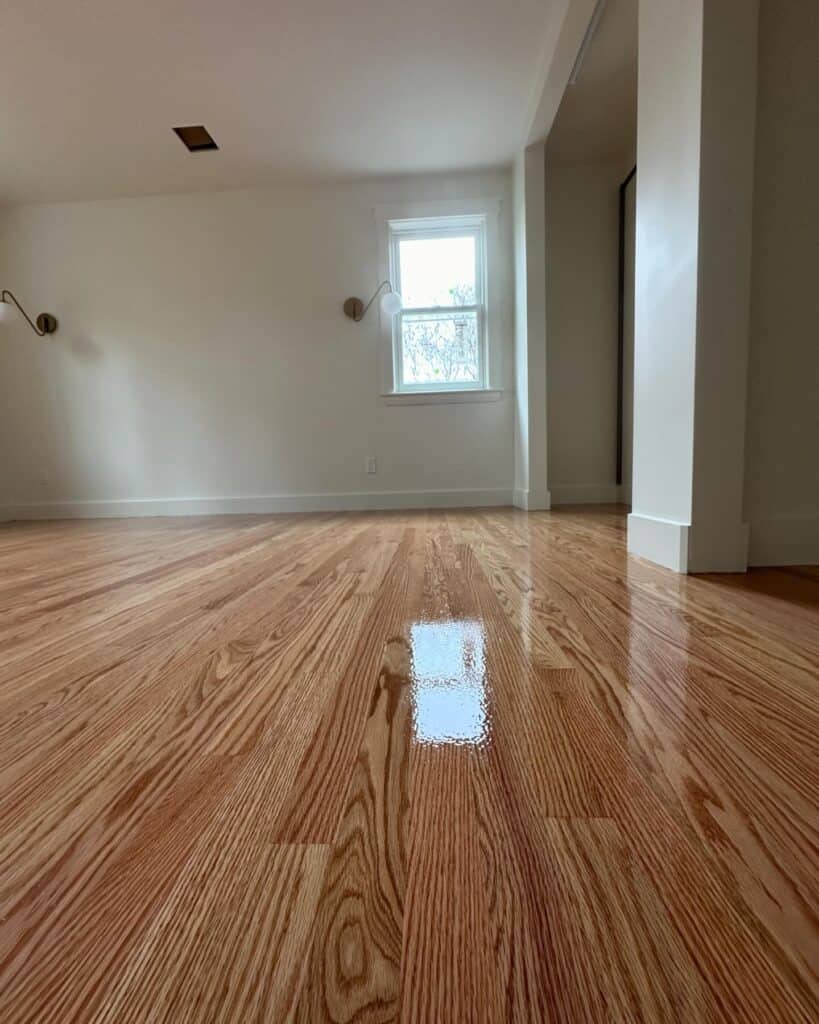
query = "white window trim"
x=444 y=396
x=431 y=227
x=416 y=213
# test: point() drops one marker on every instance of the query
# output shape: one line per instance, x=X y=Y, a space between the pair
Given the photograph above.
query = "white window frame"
x=432 y=228
x=425 y=219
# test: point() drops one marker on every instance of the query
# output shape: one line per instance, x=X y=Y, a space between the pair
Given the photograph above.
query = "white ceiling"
x=597 y=119
x=291 y=90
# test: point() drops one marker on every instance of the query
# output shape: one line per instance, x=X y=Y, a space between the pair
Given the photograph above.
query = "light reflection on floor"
x=449 y=682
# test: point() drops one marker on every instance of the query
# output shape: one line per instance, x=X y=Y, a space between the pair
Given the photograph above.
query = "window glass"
x=437 y=271
x=440 y=348
x=439 y=336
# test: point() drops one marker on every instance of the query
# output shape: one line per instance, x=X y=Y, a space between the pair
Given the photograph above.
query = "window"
x=438 y=266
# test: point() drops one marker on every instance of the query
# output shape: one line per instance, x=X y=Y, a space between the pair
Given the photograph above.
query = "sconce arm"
x=378 y=291
x=6 y=294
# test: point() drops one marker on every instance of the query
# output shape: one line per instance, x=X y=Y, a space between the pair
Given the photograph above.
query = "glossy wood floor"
x=444 y=767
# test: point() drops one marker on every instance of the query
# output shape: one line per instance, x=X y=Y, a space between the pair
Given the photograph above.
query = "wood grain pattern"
x=355 y=963
x=444 y=767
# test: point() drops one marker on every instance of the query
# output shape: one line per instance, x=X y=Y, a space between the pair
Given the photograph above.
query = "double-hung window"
x=438 y=266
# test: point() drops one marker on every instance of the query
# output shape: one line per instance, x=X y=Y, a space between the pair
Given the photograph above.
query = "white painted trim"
x=784 y=540
x=531 y=501
x=438 y=228
x=584 y=494
x=442 y=397
x=426 y=209
x=258 y=504
x=659 y=540
x=715 y=546
x=564 y=27
x=489 y=208
x=712 y=547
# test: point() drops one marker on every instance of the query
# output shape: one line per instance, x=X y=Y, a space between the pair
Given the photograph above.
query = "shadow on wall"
x=85 y=349
x=60 y=401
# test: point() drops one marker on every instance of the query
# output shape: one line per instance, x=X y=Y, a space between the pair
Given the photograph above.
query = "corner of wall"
x=718 y=547
x=784 y=540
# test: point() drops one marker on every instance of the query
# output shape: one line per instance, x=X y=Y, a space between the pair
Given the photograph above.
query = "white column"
x=696 y=118
x=531 y=490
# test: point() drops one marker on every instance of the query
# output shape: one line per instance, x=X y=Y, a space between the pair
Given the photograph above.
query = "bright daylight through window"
x=439 y=337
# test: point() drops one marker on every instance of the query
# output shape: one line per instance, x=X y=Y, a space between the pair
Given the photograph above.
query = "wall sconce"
x=44 y=324
x=390 y=303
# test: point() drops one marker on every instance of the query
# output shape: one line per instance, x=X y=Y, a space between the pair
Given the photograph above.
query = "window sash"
x=470 y=227
x=431 y=310
x=454 y=385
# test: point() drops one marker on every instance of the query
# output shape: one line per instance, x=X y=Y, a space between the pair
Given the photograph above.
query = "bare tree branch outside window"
x=442 y=347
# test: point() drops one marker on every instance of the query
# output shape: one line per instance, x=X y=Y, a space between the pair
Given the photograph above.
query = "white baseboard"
x=718 y=546
x=583 y=494
x=258 y=504
x=659 y=540
x=531 y=501
x=785 y=540
x=712 y=547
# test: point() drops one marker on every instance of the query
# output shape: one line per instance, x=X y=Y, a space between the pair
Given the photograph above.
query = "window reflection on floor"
x=449 y=682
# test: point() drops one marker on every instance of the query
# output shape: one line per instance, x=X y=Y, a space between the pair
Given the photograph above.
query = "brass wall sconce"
x=43 y=325
x=390 y=303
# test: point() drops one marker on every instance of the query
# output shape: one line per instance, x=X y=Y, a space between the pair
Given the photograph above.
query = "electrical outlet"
x=372 y=465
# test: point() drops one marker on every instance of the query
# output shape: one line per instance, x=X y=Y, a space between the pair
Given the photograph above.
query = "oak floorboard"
x=354 y=968
x=717 y=746
x=113 y=801
x=471 y=765
x=60 y=650
x=239 y=956
x=546 y=761
x=229 y=940
x=449 y=971
x=727 y=765
x=93 y=601
x=66 y=697
x=746 y=973
x=448 y=968
x=641 y=970
x=313 y=811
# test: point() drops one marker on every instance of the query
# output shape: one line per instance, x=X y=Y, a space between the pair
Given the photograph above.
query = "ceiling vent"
x=196 y=137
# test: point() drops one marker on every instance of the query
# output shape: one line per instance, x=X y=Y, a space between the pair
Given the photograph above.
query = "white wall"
x=782 y=448
x=582 y=233
x=566 y=25
x=521 y=443
x=530 y=470
x=624 y=494
x=718 y=538
x=668 y=156
x=202 y=354
x=696 y=105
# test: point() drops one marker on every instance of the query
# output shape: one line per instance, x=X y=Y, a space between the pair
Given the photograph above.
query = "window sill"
x=442 y=397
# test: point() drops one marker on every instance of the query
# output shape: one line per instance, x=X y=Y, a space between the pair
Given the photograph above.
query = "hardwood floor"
x=444 y=767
